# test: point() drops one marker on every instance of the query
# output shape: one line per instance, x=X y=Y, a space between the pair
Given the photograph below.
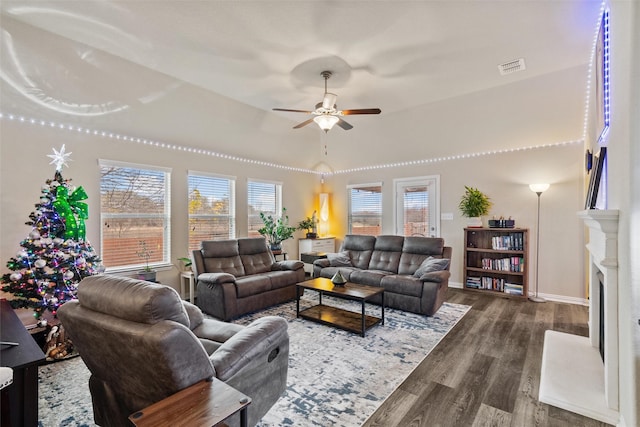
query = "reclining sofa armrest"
x=194 y=314
x=216 y=330
x=287 y=265
x=251 y=345
x=447 y=252
x=441 y=276
x=217 y=278
x=323 y=262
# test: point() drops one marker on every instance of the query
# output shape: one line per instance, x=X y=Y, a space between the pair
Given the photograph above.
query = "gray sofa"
x=240 y=276
x=391 y=262
x=142 y=343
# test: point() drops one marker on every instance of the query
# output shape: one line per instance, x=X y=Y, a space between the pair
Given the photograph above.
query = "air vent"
x=512 y=66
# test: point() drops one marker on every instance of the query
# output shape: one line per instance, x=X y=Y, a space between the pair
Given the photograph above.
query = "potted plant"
x=186 y=263
x=310 y=225
x=473 y=205
x=145 y=253
x=276 y=230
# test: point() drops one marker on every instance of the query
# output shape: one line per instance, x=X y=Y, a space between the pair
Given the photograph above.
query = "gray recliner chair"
x=142 y=343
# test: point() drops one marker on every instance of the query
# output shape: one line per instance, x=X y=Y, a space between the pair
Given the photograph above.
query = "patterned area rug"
x=335 y=377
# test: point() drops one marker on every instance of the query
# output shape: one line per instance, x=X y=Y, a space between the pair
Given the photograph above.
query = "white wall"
x=623 y=172
x=25 y=168
x=505 y=179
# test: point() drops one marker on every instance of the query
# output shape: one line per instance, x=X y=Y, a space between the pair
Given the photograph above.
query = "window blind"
x=262 y=196
x=134 y=208
x=211 y=208
x=416 y=210
x=365 y=209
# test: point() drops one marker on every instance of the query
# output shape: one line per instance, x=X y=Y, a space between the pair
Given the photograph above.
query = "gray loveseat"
x=142 y=343
x=240 y=276
x=392 y=262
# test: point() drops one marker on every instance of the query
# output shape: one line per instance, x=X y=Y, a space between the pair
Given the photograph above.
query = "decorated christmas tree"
x=55 y=256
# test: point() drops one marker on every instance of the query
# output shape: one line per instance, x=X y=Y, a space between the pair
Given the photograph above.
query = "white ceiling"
x=395 y=55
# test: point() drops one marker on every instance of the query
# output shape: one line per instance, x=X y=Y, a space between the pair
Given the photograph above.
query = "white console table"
x=189 y=279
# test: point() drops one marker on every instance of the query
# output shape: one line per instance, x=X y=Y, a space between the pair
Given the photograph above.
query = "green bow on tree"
x=70 y=206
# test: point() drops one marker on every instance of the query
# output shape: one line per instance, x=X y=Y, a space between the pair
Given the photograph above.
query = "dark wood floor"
x=486 y=371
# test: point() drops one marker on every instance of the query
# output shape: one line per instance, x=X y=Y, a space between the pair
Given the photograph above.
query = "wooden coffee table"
x=334 y=316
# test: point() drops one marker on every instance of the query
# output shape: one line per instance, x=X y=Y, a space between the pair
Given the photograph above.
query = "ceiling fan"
x=327 y=113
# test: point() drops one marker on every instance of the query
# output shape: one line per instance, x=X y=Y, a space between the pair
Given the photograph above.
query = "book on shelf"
x=494 y=284
x=473 y=282
x=509 y=242
x=513 y=289
x=512 y=264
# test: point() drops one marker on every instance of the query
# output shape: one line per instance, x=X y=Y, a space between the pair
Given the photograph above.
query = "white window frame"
x=277 y=198
x=349 y=202
x=137 y=262
x=431 y=181
x=230 y=216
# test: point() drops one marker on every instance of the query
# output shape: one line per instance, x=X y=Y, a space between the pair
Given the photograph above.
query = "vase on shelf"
x=474 y=222
x=276 y=246
x=149 y=276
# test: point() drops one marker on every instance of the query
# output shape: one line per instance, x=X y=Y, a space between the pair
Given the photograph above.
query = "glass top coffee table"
x=338 y=317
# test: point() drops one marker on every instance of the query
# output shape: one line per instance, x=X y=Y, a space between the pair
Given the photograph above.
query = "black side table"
x=309 y=257
x=20 y=352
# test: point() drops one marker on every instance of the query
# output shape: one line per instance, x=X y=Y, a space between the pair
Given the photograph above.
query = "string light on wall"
x=602 y=16
x=143 y=141
x=457 y=157
x=605 y=65
x=322 y=174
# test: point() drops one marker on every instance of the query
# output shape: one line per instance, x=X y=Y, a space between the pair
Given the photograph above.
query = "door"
x=417 y=206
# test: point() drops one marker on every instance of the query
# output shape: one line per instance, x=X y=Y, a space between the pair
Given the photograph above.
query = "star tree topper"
x=59 y=158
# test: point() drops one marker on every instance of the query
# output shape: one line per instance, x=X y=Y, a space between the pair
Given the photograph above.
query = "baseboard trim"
x=564 y=299
x=456 y=285
x=550 y=297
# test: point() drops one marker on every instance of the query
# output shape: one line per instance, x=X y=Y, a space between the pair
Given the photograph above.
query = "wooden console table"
x=19 y=352
x=206 y=403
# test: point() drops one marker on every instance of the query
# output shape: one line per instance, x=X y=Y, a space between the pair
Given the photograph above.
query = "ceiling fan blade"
x=306 y=122
x=293 y=111
x=361 y=111
x=344 y=125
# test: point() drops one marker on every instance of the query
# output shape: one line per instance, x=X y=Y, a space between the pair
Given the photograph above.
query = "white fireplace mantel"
x=603 y=235
x=573 y=375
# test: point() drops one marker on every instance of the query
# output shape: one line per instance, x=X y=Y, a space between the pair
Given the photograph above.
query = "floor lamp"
x=538 y=189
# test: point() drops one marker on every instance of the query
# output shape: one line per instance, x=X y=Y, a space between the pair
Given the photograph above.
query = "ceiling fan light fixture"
x=329 y=101
x=326 y=121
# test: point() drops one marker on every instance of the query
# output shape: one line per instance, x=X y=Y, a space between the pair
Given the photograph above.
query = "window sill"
x=125 y=271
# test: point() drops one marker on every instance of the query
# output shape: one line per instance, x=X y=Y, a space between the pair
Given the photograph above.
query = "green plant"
x=474 y=203
x=186 y=261
x=307 y=224
x=276 y=230
x=145 y=253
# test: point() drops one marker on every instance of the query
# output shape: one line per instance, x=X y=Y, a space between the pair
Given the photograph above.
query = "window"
x=417 y=209
x=212 y=213
x=262 y=196
x=365 y=209
x=134 y=208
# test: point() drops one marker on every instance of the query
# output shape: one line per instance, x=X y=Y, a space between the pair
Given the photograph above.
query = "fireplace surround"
x=574 y=376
